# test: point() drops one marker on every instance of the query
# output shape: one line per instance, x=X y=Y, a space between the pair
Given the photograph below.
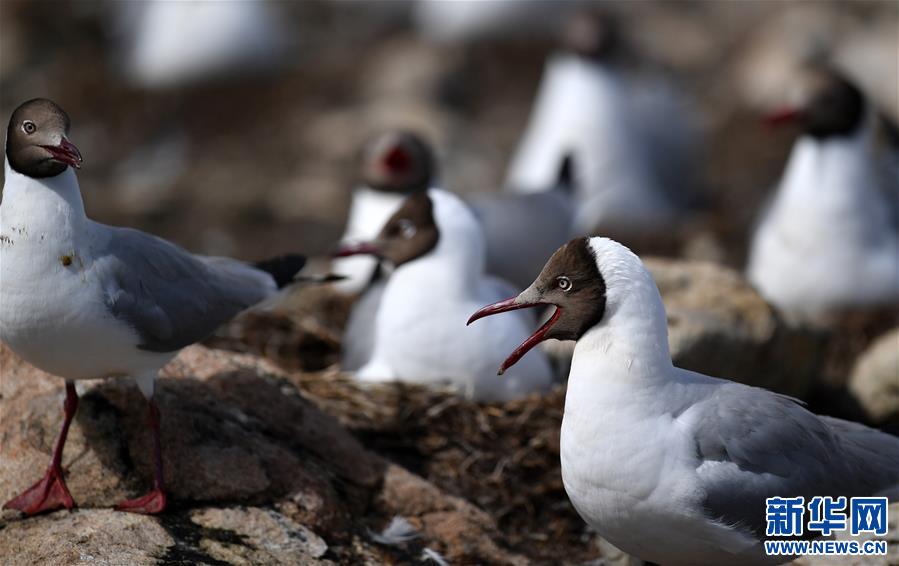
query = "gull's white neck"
x=453 y=269
x=631 y=343
x=52 y=205
x=617 y=366
x=628 y=349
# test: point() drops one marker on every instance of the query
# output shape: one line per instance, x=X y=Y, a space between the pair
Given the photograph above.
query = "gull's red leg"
x=155 y=501
x=50 y=493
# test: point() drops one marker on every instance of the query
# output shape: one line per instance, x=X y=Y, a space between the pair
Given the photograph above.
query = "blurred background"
x=233 y=127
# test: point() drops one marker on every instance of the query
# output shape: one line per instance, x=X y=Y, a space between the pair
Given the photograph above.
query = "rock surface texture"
x=874 y=381
x=257 y=475
x=719 y=325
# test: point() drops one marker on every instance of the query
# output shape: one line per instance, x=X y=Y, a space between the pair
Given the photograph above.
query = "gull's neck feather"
x=25 y=196
x=455 y=267
x=631 y=341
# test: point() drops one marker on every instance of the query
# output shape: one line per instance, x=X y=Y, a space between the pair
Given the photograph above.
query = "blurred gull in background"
x=437 y=246
x=177 y=42
x=524 y=228
x=630 y=148
x=456 y=22
x=830 y=238
x=392 y=165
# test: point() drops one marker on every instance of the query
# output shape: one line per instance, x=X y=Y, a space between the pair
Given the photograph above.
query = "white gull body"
x=586 y=109
x=420 y=333
x=673 y=466
x=179 y=42
x=81 y=300
x=830 y=238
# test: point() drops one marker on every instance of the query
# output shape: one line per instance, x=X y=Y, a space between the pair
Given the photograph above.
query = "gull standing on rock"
x=82 y=300
x=437 y=248
x=667 y=464
x=830 y=238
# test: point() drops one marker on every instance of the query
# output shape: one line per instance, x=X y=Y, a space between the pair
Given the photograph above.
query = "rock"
x=874 y=381
x=257 y=474
x=718 y=325
x=890 y=559
x=101 y=535
x=265 y=537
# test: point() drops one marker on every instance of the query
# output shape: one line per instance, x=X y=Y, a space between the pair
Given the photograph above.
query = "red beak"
x=534 y=339
x=357 y=248
x=783 y=116
x=65 y=152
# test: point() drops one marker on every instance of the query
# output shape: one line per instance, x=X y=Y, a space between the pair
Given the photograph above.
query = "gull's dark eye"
x=407 y=228
x=28 y=127
x=563 y=283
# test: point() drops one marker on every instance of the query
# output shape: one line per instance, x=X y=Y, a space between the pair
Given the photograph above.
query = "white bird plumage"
x=586 y=110
x=830 y=238
x=667 y=464
x=419 y=328
x=674 y=466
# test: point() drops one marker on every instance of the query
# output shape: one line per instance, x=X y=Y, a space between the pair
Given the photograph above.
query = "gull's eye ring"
x=407 y=228
x=563 y=283
x=28 y=127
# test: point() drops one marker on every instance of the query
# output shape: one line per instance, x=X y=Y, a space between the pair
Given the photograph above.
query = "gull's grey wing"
x=754 y=444
x=523 y=230
x=171 y=297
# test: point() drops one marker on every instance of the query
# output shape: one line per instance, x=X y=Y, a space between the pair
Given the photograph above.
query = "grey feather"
x=523 y=230
x=755 y=444
x=171 y=297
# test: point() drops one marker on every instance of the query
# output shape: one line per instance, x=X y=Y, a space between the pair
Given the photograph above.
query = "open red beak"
x=65 y=152
x=534 y=339
x=357 y=248
x=782 y=116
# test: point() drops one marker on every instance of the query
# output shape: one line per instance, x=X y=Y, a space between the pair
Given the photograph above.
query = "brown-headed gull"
x=81 y=300
x=437 y=247
x=630 y=141
x=829 y=240
x=392 y=165
x=667 y=464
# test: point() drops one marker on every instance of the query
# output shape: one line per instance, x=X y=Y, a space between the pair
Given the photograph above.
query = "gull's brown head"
x=409 y=234
x=571 y=282
x=36 y=142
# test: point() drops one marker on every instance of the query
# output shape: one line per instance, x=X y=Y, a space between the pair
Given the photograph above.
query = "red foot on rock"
x=49 y=494
x=150 y=504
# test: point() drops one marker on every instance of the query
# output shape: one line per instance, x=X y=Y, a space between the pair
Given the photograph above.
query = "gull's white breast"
x=628 y=469
x=52 y=309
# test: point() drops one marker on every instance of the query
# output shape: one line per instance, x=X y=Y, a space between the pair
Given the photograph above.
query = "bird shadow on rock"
x=237 y=437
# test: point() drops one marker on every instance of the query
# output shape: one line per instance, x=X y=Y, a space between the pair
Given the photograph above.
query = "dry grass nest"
x=502 y=457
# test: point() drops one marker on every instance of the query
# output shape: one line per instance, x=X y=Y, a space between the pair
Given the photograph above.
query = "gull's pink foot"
x=49 y=494
x=150 y=504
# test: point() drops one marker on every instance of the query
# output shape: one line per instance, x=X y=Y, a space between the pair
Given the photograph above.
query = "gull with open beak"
x=437 y=247
x=667 y=464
